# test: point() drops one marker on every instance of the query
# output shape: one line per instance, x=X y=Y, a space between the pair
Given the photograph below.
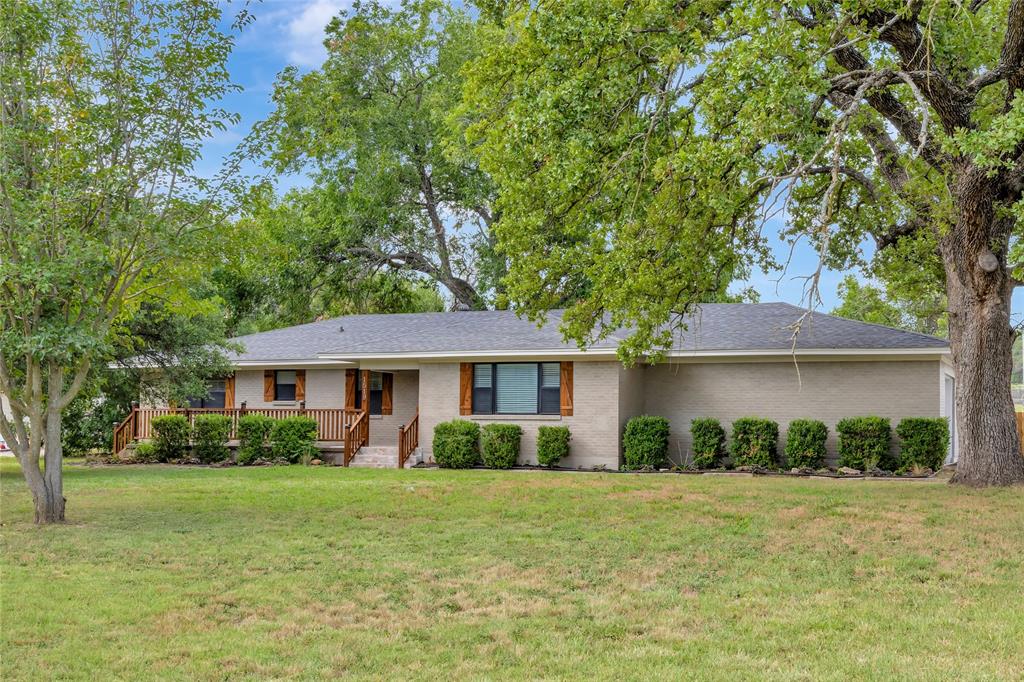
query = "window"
x=376 y=392
x=284 y=385
x=214 y=397
x=516 y=388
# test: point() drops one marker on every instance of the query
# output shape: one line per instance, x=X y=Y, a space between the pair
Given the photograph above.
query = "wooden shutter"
x=565 y=379
x=229 y=392
x=268 y=385
x=466 y=388
x=387 y=385
x=300 y=384
x=350 y=389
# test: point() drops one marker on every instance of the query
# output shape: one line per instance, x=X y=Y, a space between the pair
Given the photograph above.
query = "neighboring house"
x=732 y=360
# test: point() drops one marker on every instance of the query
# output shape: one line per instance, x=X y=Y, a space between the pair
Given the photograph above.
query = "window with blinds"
x=284 y=384
x=516 y=388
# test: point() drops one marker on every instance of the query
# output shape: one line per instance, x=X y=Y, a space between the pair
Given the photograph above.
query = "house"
x=372 y=380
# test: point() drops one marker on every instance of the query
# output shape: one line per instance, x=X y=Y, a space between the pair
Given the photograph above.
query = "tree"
x=274 y=271
x=870 y=303
x=162 y=351
x=394 y=187
x=646 y=145
x=103 y=107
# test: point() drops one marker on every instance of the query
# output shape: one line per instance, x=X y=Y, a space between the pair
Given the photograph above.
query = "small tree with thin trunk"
x=103 y=107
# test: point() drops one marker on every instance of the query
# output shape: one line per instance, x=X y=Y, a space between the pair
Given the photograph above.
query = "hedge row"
x=864 y=443
x=292 y=438
x=461 y=444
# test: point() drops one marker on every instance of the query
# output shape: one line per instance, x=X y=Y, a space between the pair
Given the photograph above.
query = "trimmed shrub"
x=805 y=443
x=170 y=436
x=253 y=434
x=145 y=452
x=552 y=444
x=754 y=442
x=924 y=442
x=645 y=442
x=294 y=439
x=210 y=434
x=499 y=445
x=457 y=444
x=864 y=443
x=708 y=442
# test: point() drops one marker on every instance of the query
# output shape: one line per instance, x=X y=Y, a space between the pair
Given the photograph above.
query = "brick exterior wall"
x=324 y=388
x=606 y=395
x=594 y=423
x=830 y=391
x=384 y=429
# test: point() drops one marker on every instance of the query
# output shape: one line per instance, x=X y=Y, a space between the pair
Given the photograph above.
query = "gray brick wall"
x=324 y=388
x=384 y=429
x=594 y=423
x=829 y=392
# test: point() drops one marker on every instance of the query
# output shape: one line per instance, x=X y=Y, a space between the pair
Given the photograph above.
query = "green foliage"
x=864 y=443
x=552 y=444
x=645 y=442
x=754 y=442
x=708 y=442
x=183 y=341
x=294 y=438
x=457 y=444
x=924 y=442
x=107 y=107
x=639 y=202
x=146 y=453
x=170 y=436
x=913 y=309
x=394 y=185
x=210 y=435
x=88 y=421
x=253 y=435
x=499 y=445
x=805 y=443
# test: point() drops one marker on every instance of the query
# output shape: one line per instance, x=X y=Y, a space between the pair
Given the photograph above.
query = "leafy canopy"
x=394 y=189
x=641 y=149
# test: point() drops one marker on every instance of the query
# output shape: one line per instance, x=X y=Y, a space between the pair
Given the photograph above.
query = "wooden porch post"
x=366 y=400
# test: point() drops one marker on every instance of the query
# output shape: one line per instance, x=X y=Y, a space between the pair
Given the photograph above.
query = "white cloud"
x=304 y=32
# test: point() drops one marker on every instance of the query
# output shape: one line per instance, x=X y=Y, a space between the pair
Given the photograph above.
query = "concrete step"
x=378 y=457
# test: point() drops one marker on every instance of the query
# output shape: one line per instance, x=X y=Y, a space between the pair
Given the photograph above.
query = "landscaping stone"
x=849 y=471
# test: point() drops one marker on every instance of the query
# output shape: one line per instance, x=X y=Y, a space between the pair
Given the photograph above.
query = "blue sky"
x=290 y=32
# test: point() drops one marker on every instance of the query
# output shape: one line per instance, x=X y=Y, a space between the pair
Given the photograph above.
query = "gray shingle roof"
x=716 y=327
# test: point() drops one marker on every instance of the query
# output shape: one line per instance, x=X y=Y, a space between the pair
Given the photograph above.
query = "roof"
x=749 y=328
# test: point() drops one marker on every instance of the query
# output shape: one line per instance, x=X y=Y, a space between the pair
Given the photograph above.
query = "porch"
x=339 y=430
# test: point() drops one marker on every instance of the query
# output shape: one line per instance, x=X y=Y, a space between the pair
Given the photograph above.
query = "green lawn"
x=191 y=573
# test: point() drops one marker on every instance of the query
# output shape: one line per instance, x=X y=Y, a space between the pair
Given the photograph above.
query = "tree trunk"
x=979 y=288
x=50 y=503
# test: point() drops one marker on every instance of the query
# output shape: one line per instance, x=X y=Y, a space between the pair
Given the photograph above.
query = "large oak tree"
x=393 y=185
x=644 y=146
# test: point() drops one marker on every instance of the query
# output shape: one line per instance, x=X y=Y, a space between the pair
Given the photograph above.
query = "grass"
x=296 y=572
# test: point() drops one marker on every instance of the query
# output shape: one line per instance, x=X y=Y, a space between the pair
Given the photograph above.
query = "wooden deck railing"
x=332 y=423
x=408 y=440
x=124 y=433
x=356 y=436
